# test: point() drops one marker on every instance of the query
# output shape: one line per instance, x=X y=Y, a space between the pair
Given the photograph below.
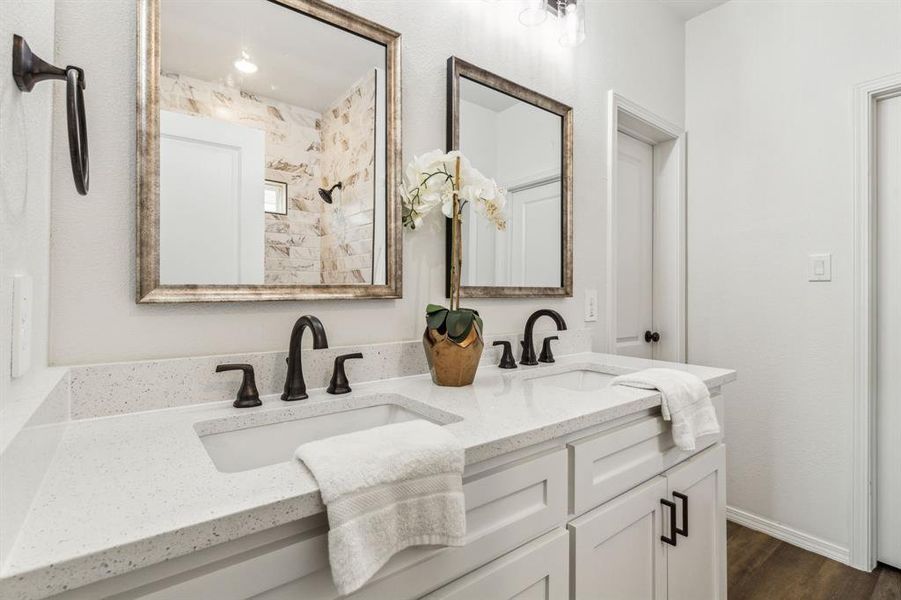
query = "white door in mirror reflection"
x=212 y=176
x=528 y=253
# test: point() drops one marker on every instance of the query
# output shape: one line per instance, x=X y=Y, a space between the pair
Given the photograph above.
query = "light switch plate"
x=23 y=288
x=819 y=267
x=591 y=305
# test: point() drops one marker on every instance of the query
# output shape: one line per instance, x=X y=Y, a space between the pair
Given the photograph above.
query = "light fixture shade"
x=534 y=12
x=572 y=23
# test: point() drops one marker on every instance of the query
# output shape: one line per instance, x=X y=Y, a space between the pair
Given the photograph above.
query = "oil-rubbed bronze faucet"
x=295 y=386
x=528 y=350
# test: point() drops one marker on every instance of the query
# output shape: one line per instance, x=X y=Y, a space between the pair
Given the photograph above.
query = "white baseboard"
x=789 y=535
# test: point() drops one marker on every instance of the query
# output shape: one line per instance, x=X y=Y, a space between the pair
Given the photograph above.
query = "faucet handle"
x=339 y=383
x=546 y=355
x=247 y=396
x=507 y=360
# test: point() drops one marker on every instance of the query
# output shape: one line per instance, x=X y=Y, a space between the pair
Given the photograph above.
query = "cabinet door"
x=538 y=570
x=696 y=566
x=617 y=551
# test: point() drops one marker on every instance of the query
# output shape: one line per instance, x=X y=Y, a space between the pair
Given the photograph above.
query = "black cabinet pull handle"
x=684 y=499
x=651 y=337
x=671 y=540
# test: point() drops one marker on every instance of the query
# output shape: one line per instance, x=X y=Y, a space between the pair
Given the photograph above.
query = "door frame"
x=863 y=465
x=627 y=116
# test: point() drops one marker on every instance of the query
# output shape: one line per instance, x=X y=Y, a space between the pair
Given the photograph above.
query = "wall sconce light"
x=572 y=22
x=570 y=18
x=534 y=12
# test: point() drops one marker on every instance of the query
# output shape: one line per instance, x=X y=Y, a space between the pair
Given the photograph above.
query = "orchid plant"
x=449 y=181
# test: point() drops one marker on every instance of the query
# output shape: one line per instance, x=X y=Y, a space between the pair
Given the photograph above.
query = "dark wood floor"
x=764 y=568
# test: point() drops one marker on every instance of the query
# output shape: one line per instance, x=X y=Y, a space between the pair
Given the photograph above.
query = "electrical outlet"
x=591 y=305
x=23 y=288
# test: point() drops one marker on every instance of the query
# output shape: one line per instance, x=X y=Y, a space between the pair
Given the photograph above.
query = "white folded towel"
x=386 y=489
x=686 y=402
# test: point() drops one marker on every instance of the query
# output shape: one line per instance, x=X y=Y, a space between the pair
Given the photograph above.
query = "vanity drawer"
x=506 y=506
x=609 y=463
x=537 y=571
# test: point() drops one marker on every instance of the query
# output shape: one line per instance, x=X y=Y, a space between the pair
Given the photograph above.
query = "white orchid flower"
x=429 y=182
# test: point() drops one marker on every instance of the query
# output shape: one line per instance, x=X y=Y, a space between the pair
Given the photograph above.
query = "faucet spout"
x=295 y=386
x=528 y=349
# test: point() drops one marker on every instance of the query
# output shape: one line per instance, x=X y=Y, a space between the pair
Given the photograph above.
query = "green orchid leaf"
x=433 y=308
x=436 y=319
x=472 y=310
x=459 y=323
x=478 y=320
x=459 y=339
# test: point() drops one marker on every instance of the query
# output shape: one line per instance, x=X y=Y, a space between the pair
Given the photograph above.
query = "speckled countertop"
x=129 y=491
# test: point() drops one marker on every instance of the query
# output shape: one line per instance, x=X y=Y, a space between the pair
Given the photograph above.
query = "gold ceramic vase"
x=453 y=364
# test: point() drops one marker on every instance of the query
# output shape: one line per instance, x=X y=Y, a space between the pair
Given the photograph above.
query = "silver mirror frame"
x=148 y=288
x=456 y=69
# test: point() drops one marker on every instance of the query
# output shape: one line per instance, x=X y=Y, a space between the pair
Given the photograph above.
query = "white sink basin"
x=262 y=445
x=577 y=380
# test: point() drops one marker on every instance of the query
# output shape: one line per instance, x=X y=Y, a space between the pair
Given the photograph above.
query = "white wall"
x=516 y=146
x=92 y=257
x=530 y=144
x=478 y=140
x=478 y=135
x=24 y=183
x=770 y=179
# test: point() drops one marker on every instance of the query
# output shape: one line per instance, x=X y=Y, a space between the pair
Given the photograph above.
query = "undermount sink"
x=262 y=445
x=577 y=380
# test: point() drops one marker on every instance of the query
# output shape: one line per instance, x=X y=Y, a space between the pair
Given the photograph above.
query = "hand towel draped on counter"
x=685 y=402
x=386 y=489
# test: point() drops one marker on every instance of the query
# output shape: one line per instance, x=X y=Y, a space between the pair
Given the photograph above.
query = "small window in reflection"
x=275 y=197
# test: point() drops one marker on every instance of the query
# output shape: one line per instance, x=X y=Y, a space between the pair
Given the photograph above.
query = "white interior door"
x=888 y=319
x=634 y=246
x=534 y=248
x=528 y=252
x=212 y=178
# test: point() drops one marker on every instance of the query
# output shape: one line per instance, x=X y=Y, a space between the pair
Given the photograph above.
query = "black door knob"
x=651 y=337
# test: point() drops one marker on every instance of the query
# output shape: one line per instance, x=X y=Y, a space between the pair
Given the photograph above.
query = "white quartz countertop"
x=129 y=491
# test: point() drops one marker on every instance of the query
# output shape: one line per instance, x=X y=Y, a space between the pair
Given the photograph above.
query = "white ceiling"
x=301 y=60
x=689 y=9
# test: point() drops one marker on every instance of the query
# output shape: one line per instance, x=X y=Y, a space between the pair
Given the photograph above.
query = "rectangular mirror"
x=268 y=152
x=523 y=140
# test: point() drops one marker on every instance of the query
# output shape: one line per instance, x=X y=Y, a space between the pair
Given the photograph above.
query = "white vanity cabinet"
x=576 y=517
x=619 y=551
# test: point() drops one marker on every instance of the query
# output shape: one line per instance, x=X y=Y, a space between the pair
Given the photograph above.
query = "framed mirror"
x=268 y=152
x=523 y=140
